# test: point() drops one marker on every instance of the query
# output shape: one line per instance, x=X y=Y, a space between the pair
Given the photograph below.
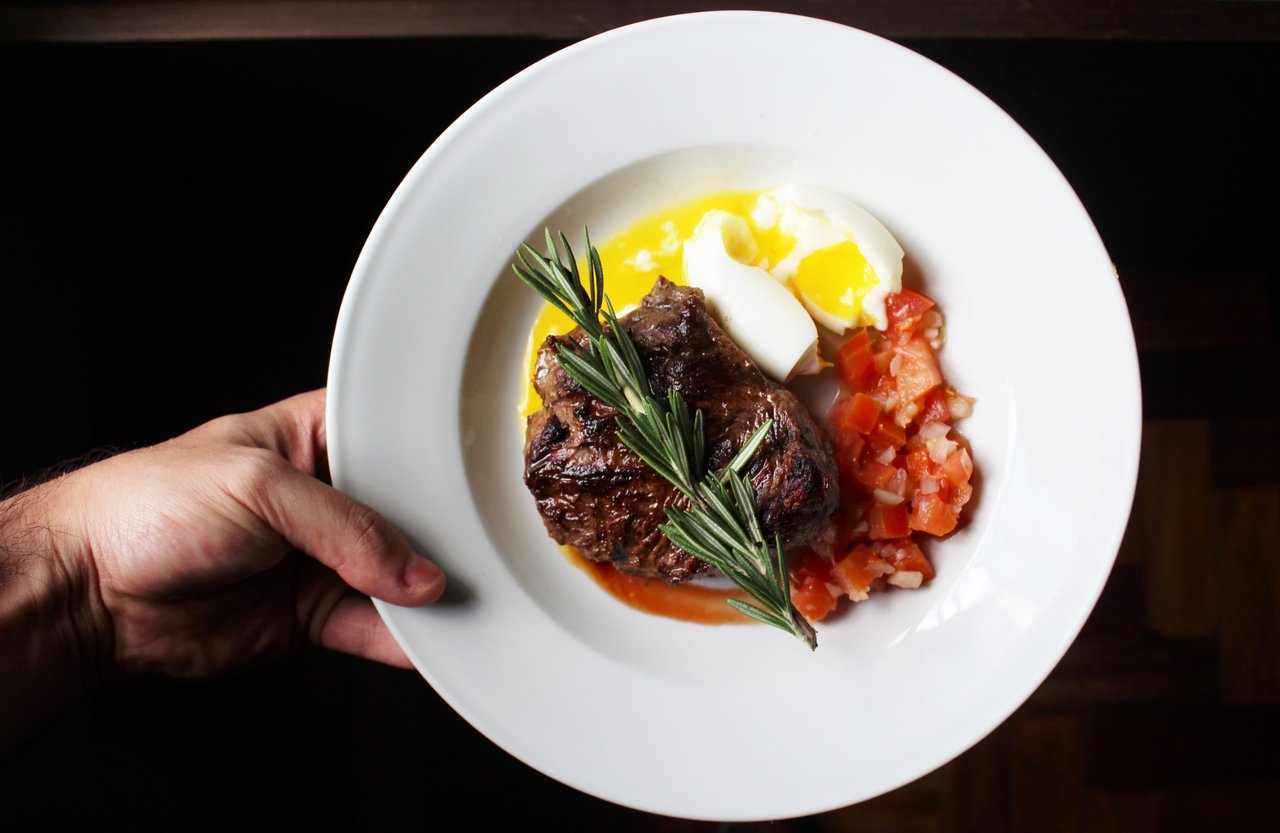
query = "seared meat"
x=596 y=495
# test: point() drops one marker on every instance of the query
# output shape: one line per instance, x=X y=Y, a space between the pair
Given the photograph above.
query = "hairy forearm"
x=48 y=650
x=190 y=558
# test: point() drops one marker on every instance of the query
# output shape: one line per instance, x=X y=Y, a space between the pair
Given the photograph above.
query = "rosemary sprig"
x=720 y=526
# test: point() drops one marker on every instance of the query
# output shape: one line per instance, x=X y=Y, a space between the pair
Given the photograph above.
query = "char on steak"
x=596 y=495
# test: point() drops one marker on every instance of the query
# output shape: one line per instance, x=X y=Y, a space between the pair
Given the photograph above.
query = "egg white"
x=758 y=313
x=816 y=219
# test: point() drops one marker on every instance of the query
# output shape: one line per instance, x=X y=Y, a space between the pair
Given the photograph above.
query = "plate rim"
x=361 y=278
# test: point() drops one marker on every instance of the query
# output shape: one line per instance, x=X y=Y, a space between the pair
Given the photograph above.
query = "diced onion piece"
x=939 y=449
x=877 y=568
x=898 y=485
x=933 y=430
x=960 y=406
x=908 y=579
x=888 y=498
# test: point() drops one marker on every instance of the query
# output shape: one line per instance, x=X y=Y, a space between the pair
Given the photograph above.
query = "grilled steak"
x=596 y=495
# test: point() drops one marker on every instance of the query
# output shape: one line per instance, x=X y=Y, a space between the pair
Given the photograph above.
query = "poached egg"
x=758 y=312
x=842 y=263
x=834 y=262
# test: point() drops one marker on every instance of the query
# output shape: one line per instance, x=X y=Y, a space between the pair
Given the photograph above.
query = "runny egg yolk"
x=844 y=262
x=634 y=259
x=804 y=237
x=835 y=280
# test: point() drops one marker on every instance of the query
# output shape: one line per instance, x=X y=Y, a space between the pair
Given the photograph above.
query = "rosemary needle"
x=720 y=525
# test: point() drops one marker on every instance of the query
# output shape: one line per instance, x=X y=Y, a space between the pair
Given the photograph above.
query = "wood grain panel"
x=1045 y=783
x=1251 y=580
x=1173 y=504
x=976 y=795
x=913 y=808
x=1121 y=812
x=1178 y=309
x=1245 y=451
x=236 y=19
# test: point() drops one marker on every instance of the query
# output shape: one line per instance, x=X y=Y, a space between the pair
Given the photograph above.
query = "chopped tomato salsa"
x=904 y=470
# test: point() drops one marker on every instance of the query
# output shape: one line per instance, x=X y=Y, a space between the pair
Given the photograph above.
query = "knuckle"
x=366 y=527
x=229 y=429
x=261 y=468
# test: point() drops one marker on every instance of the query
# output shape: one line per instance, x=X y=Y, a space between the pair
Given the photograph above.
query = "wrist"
x=52 y=639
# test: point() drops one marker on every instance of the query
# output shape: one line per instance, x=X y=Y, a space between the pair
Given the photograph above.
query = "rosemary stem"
x=721 y=526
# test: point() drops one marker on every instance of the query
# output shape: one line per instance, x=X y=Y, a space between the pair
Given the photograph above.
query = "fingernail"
x=422 y=573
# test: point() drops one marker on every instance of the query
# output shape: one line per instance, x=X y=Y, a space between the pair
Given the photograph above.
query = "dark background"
x=178 y=222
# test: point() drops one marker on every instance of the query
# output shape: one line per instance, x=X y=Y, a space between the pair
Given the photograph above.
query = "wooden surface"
x=179 y=221
x=164 y=20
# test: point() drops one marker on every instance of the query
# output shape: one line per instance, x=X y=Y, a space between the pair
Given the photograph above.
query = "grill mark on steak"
x=596 y=495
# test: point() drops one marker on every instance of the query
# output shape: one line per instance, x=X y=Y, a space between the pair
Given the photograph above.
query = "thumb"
x=351 y=538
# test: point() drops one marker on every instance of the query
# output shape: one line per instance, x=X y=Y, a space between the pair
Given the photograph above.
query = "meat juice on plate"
x=772 y=265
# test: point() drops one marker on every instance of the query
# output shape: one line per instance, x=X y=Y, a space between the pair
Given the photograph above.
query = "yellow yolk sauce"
x=649 y=248
x=825 y=278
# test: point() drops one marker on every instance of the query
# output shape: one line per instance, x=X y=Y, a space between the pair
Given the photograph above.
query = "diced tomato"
x=809 y=563
x=884 y=388
x=863 y=413
x=918 y=464
x=905 y=308
x=855 y=414
x=851 y=572
x=918 y=371
x=888 y=521
x=957 y=468
x=846 y=425
x=887 y=434
x=892 y=387
x=905 y=556
x=812 y=598
x=936 y=407
x=857 y=368
x=874 y=475
x=848 y=445
x=882 y=359
x=930 y=514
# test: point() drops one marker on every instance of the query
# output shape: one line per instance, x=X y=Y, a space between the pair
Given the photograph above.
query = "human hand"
x=190 y=557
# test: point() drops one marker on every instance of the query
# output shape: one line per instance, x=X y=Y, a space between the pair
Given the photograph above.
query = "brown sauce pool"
x=686 y=602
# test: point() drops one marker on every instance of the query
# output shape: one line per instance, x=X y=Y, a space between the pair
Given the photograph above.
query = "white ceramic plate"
x=738 y=722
